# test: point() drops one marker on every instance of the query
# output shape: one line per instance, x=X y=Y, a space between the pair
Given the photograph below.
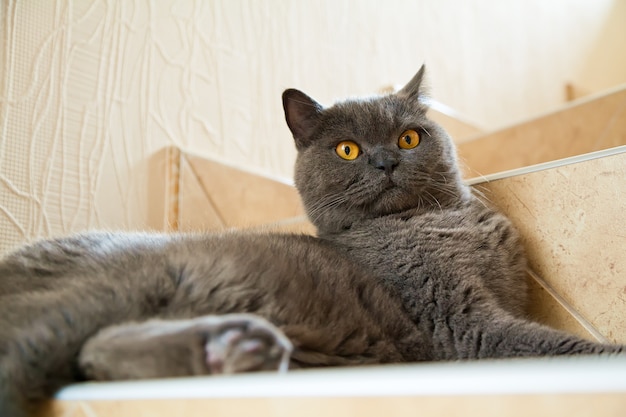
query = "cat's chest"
x=412 y=247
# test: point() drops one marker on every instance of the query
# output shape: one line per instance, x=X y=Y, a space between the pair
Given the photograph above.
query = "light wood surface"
x=592 y=124
x=578 y=405
x=537 y=387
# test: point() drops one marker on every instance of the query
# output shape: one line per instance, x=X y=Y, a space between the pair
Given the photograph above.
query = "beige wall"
x=604 y=63
x=89 y=90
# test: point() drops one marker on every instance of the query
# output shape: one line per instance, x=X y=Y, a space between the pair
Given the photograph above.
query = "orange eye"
x=347 y=150
x=409 y=139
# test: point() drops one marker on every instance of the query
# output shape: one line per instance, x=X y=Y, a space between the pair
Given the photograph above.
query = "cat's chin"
x=392 y=199
x=397 y=199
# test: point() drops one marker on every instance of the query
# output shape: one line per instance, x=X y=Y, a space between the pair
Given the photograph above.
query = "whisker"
x=482 y=197
x=434 y=198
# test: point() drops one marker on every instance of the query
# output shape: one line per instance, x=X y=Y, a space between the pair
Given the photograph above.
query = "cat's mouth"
x=386 y=186
x=395 y=196
x=388 y=183
x=388 y=197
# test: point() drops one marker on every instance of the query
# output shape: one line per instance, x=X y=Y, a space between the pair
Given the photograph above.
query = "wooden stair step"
x=587 y=125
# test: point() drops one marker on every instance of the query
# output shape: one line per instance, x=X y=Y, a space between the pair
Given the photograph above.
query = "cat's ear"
x=415 y=88
x=302 y=115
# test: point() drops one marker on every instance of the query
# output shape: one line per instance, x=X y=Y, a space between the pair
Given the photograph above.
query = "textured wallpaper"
x=90 y=90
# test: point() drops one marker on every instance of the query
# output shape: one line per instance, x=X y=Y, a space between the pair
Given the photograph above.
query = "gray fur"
x=456 y=265
x=57 y=295
x=408 y=266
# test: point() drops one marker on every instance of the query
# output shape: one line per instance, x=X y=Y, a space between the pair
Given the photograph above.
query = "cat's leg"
x=507 y=337
x=205 y=345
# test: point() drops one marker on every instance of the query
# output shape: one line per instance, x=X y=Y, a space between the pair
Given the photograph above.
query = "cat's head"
x=365 y=158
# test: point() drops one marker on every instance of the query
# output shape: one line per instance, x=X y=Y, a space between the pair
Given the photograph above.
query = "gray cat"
x=408 y=266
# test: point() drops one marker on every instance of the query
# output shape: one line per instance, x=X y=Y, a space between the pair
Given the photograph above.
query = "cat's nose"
x=386 y=165
x=384 y=162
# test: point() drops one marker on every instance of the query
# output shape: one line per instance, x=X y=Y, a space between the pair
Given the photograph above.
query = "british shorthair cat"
x=408 y=265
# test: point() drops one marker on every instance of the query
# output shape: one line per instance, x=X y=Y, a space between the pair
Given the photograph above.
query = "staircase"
x=586 y=125
x=560 y=177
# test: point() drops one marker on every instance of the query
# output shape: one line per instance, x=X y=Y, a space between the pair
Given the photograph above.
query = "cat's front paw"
x=223 y=344
x=244 y=343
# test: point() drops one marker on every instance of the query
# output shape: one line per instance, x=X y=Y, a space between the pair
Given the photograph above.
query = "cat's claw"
x=245 y=343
